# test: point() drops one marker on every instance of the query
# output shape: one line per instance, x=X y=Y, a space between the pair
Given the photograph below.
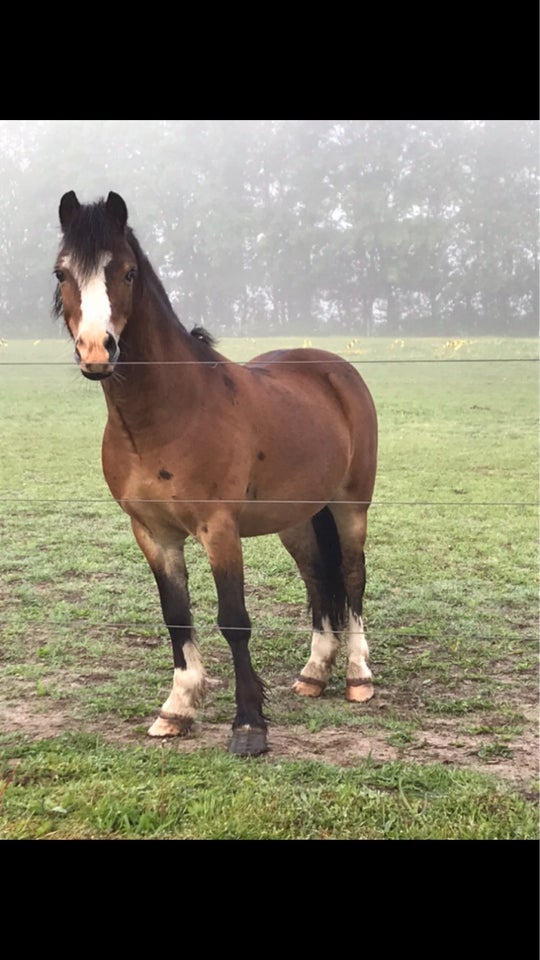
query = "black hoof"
x=248 y=742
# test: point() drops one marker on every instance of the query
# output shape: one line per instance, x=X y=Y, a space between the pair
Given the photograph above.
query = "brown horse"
x=197 y=445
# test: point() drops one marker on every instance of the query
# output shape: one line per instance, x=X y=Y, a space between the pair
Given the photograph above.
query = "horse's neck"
x=158 y=375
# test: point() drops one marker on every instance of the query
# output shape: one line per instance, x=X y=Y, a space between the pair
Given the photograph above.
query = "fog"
x=290 y=227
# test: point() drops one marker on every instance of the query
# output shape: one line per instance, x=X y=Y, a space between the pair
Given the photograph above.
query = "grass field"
x=448 y=748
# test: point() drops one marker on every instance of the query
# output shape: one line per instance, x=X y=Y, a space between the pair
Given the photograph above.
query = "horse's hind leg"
x=303 y=545
x=168 y=566
x=351 y=523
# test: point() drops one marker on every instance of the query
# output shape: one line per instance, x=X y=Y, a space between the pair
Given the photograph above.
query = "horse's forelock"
x=91 y=233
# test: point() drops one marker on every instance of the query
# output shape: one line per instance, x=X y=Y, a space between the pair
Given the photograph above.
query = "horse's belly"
x=259 y=517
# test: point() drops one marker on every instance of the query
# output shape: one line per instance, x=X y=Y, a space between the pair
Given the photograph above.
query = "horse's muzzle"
x=99 y=371
x=96 y=371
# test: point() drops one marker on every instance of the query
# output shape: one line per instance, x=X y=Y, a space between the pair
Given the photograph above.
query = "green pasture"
x=451 y=614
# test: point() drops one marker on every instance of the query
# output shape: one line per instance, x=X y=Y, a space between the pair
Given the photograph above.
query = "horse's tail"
x=333 y=597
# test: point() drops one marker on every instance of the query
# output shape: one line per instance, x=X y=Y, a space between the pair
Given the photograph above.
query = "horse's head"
x=96 y=269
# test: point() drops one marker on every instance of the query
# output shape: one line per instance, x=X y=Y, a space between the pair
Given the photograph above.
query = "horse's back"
x=308 y=361
x=322 y=368
x=298 y=355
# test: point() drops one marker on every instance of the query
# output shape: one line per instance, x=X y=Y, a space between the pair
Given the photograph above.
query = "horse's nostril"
x=110 y=345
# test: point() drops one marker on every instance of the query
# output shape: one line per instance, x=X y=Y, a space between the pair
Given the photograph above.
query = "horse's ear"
x=116 y=208
x=68 y=208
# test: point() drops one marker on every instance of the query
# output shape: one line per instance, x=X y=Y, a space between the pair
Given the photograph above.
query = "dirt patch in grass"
x=487 y=723
x=516 y=758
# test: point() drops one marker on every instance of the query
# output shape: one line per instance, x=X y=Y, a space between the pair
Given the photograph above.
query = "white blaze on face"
x=95 y=304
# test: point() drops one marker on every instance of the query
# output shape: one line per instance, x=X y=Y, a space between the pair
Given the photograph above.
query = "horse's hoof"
x=308 y=686
x=359 y=691
x=170 y=725
x=248 y=741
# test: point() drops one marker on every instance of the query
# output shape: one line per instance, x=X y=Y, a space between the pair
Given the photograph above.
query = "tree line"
x=263 y=227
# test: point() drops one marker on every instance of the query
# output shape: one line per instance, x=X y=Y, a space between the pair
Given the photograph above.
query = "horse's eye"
x=60 y=275
x=131 y=274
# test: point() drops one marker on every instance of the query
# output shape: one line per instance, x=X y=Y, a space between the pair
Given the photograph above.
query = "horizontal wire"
x=241 y=363
x=200 y=627
x=254 y=503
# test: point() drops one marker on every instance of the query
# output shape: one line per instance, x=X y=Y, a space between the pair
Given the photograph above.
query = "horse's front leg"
x=224 y=549
x=168 y=566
